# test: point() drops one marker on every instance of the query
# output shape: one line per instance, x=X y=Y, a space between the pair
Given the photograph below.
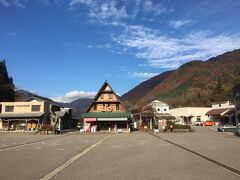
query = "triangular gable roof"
x=33 y=98
x=100 y=90
x=163 y=102
x=40 y=99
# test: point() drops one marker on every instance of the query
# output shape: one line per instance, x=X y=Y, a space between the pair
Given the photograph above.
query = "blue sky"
x=65 y=49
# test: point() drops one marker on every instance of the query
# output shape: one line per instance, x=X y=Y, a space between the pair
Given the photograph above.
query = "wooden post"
x=38 y=124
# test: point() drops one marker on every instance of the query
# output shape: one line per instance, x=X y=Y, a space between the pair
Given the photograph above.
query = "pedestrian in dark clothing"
x=171 y=127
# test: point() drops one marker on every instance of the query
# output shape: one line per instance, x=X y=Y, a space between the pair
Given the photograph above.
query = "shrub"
x=180 y=126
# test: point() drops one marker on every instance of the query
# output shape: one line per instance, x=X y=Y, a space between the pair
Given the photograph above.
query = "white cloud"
x=17 y=3
x=74 y=95
x=82 y=2
x=143 y=75
x=23 y=3
x=113 y=12
x=154 y=8
x=162 y=51
x=178 y=23
x=4 y=2
x=101 y=46
x=104 y=12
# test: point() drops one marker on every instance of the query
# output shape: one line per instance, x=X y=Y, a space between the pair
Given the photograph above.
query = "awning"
x=106 y=115
x=112 y=119
x=20 y=115
x=89 y=119
x=229 y=112
x=220 y=112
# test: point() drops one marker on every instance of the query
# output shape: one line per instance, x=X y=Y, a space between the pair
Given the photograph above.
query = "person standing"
x=171 y=127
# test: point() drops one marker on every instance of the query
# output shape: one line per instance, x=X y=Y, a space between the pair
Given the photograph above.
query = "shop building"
x=236 y=92
x=106 y=112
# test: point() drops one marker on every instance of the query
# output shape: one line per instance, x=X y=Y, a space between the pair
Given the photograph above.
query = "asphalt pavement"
x=137 y=155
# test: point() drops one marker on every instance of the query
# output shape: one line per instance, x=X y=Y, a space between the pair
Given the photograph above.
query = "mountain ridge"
x=197 y=83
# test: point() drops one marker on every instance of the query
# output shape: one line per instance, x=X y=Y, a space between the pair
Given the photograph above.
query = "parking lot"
x=137 y=155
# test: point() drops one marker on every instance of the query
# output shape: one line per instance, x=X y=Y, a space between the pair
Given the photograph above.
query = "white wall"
x=160 y=107
x=192 y=112
x=225 y=104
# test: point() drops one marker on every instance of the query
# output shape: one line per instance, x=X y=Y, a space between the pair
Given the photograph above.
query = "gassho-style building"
x=106 y=112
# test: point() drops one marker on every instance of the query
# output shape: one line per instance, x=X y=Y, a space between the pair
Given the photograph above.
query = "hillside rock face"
x=7 y=91
x=79 y=106
x=196 y=83
x=142 y=89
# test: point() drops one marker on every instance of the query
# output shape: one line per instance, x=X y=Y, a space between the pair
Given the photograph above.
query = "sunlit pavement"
x=119 y=156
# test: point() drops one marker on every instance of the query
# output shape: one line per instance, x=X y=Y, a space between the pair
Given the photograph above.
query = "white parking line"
x=70 y=161
x=116 y=146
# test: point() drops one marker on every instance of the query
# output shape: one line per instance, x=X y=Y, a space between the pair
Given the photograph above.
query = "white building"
x=224 y=104
x=189 y=115
x=160 y=107
x=218 y=112
x=222 y=112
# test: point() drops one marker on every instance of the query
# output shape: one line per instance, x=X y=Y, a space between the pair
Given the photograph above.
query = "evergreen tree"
x=7 y=92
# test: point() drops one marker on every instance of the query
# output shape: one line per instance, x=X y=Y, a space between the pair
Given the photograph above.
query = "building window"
x=106 y=105
x=158 y=109
x=220 y=105
x=198 y=118
x=35 y=108
x=117 y=106
x=110 y=96
x=95 y=107
x=165 y=109
x=9 y=108
x=102 y=96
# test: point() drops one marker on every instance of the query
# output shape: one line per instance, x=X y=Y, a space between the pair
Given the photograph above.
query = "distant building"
x=236 y=92
x=223 y=104
x=189 y=115
x=160 y=107
x=106 y=112
x=32 y=114
x=222 y=112
x=152 y=114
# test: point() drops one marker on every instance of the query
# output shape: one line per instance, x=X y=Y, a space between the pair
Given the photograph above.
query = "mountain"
x=142 y=89
x=21 y=95
x=196 y=83
x=7 y=91
x=79 y=106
